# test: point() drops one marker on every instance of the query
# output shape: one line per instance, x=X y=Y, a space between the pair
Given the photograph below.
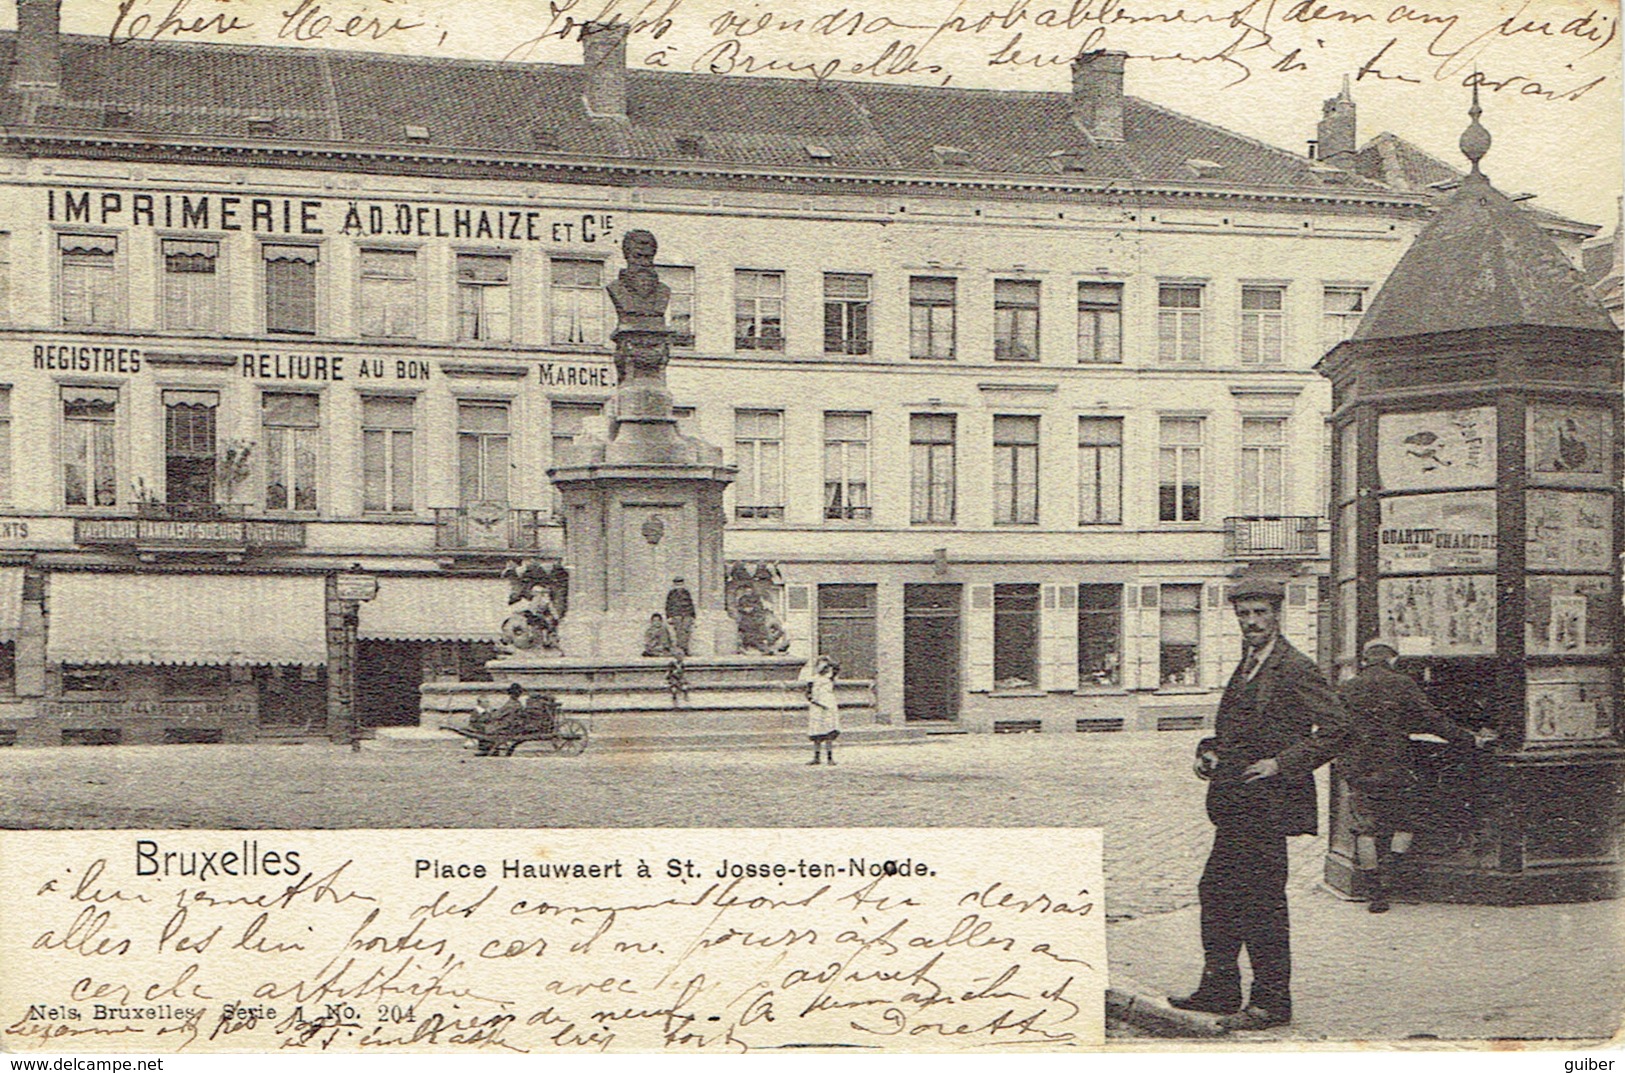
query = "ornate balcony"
x=486 y=528
x=1271 y=537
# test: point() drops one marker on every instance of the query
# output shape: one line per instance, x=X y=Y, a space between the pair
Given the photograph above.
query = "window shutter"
x=1058 y=630
x=1148 y=636
x=798 y=619
x=979 y=640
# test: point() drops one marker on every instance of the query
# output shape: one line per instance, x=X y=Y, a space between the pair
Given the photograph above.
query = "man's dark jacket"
x=1295 y=718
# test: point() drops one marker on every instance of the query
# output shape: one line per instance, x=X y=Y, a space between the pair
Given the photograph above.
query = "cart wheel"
x=571 y=739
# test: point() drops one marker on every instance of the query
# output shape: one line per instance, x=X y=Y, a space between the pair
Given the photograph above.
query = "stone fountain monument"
x=643 y=537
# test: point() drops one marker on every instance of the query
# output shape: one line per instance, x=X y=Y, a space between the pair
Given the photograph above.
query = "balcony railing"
x=486 y=527
x=1266 y=537
x=171 y=527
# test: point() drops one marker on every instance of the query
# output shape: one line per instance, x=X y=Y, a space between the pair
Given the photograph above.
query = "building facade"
x=1014 y=382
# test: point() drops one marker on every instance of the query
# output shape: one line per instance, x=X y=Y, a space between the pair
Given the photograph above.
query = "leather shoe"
x=1197 y=1002
x=1254 y=1018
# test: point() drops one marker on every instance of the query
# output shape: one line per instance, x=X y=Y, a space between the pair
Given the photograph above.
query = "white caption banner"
x=552 y=941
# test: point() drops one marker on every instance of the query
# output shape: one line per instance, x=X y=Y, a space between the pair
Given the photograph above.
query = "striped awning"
x=435 y=609
x=11 y=602
x=205 y=619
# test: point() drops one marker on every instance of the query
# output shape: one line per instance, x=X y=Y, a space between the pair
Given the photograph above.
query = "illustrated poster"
x=1439 y=616
x=1568 y=704
x=1569 y=531
x=1569 y=444
x=1569 y=616
x=1436 y=449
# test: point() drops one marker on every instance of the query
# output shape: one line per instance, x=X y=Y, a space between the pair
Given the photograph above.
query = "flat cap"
x=1377 y=644
x=1257 y=588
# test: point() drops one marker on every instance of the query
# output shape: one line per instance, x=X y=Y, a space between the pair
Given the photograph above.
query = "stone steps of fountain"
x=654 y=738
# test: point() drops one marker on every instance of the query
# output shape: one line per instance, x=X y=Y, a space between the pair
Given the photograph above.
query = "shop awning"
x=436 y=609
x=207 y=619
x=11 y=602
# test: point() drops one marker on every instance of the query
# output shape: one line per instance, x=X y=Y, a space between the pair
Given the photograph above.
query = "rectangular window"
x=387 y=477
x=197 y=682
x=931 y=469
x=1179 y=488
x=1181 y=634
x=1341 y=310
x=290 y=289
x=1263 y=467
x=1015 y=470
x=1015 y=319
x=1100 y=635
x=1100 y=323
x=931 y=317
x=89 y=281
x=846 y=313
x=290 y=424
x=484 y=297
x=759 y=453
x=389 y=294
x=6 y=491
x=1015 y=636
x=89 y=427
x=846 y=466
x=1263 y=325
x=192 y=291
x=189 y=447
x=1100 y=470
x=578 y=301
x=680 y=312
x=482 y=452
x=758 y=310
x=568 y=421
x=1179 y=322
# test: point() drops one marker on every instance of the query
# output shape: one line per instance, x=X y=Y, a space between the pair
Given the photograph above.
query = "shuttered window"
x=192 y=298
x=290 y=289
x=89 y=452
x=90 y=292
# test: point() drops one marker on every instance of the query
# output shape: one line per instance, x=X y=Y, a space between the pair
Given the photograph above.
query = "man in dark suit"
x=1278 y=721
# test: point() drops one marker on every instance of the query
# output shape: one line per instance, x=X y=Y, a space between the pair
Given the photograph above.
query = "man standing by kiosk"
x=1277 y=721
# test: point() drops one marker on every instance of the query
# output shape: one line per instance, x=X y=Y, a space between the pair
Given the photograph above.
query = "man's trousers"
x=1243 y=895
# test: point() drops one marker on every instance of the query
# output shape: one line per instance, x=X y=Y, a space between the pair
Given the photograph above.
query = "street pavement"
x=1420 y=972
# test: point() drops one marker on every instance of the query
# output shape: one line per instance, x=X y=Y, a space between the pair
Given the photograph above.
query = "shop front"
x=423 y=629
x=180 y=658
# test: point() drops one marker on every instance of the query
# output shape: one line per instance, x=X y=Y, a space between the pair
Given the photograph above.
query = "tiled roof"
x=361 y=99
x=1482 y=262
x=1395 y=162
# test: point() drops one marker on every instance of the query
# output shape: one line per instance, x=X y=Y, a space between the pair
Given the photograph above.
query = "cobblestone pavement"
x=1137 y=786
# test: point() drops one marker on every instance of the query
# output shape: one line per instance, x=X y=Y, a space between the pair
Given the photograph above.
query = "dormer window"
x=691 y=145
x=1204 y=168
x=544 y=139
x=819 y=154
x=417 y=134
x=951 y=156
x=260 y=126
x=117 y=118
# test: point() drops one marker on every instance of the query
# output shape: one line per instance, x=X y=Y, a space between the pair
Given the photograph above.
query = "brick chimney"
x=38 y=66
x=1335 y=134
x=603 y=48
x=1097 y=94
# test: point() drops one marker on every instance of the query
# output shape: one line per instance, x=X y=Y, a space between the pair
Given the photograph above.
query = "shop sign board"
x=1568 y=704
x=1569 y=531
x=1570 y=445
x=1569 y=616
x=1441 y=531
x=1437 y=449
x=1447 y=615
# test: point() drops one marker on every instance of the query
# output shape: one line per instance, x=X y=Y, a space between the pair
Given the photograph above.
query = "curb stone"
x=1154 y=1015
